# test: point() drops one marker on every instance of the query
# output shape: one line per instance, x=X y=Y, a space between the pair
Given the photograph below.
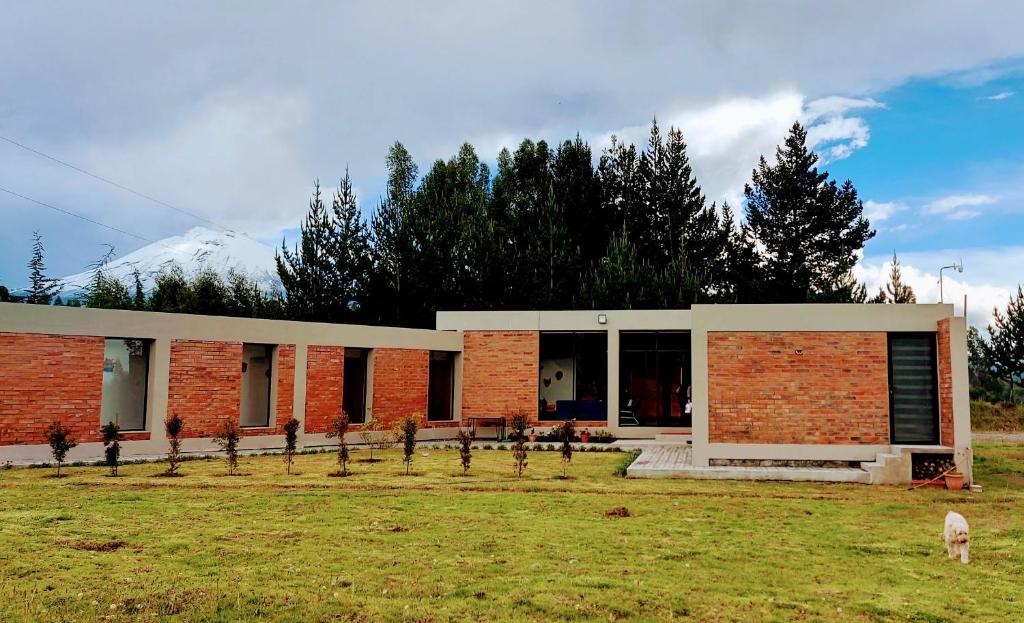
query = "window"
x=125 y=383
x=257 y=374
x=654 y=379
x=573 y=376
x=353 y=394
x=441 y=386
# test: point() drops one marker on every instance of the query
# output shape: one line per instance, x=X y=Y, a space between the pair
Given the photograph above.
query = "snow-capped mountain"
x=197 y=248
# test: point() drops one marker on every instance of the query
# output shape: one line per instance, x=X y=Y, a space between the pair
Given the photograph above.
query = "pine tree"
x=139 y=298
x=350 y=250
x=621 y=280
x=1005 y=348
x=42 y=288
x=307 y=272
x=809 y=228
x=896 y=291
x=392 y=275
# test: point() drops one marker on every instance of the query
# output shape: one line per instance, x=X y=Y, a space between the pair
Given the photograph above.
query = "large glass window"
x=655 y=379
x=441 y=386
x=573 y=375
x=257 y=373
x=353 y=394
x=125 y=381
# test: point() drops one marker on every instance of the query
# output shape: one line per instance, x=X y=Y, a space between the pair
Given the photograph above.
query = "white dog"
x=957 y=536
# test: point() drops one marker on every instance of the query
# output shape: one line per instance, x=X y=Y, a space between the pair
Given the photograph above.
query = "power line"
x=121 y=186
x=89 y=220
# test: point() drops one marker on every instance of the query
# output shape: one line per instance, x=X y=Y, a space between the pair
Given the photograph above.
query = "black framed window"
x=573 y=375
x=125 y=383
x=353 y=394
x=655 y=385
x=257 y=376
x=441 y=386
x=913 y=389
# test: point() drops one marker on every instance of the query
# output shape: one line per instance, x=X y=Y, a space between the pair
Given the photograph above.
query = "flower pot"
x=954 y=482
x=585 y=437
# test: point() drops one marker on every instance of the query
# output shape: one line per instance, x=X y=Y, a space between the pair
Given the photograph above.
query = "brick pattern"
x=945 y=365
x=47 y=378
x=205 y=385
x=798 y=387
x=399 y=384
x=325 y=368
x=284 y=400
x=500 y=371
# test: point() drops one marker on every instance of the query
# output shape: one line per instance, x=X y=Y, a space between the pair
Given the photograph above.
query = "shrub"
x=566 y=434
x=228 y=439
x=339 y=426
x=465 y=451
x=405 y=430
x=376 y=437
x=173 y=427
x=602 y=436
x=291 y=438
x=518 y=423
x=60 y=442
x=111 y=445
x=625 y=462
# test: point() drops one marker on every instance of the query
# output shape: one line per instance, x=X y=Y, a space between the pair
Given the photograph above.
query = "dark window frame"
x=656 y=350
x=542 y=415
x=148 y=344
x=364 y=357
x=271 y=352
x=936 y=414
x=450 y=360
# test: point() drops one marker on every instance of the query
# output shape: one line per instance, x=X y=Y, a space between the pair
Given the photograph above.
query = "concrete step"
x=670 y=438
x=791 y=474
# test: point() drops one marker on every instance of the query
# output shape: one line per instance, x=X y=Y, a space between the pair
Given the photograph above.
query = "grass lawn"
x=437 y=546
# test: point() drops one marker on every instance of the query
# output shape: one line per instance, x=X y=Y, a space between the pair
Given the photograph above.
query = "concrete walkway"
x=999 y=437
x=674 y=461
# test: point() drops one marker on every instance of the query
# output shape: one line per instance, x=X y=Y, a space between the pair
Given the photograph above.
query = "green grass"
x=438 y=546
x=998 y=416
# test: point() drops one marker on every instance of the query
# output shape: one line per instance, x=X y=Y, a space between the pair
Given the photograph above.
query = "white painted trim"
x=795 y=452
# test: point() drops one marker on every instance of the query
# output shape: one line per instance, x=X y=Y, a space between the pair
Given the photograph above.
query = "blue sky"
x=231 y=112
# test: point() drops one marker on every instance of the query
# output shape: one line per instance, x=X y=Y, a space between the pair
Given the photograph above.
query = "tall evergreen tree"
x=391 y=279
x=1005 y=348
x=807 y=227
x=350 y=251
x=896 y=291
x=306 y=273
x=43 y=287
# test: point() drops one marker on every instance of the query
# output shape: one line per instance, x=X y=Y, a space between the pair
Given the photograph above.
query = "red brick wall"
x=47 y=378
x=500 y=372
x=325 y=367
x=285 y=399
x=205 y=385
x=945 y=365
x=761 y=391
x=399 y=384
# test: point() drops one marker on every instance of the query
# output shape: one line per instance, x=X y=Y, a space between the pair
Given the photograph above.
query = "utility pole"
x=959 y=267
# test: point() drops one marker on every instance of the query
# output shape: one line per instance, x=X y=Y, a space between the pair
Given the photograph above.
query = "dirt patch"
x=168 y=475
x=399 y=529
x=618 y=511
x=97 y=546
x=339 y=474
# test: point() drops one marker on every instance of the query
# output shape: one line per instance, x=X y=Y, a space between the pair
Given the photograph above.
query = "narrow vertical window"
x=125 y=383
x=441 y=387
x=353 y=395
x=257 y=373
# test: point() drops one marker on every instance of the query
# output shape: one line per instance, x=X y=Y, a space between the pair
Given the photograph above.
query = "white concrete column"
x=613 y=380
x=299 y=390
x=699 y=365
x=964 y=455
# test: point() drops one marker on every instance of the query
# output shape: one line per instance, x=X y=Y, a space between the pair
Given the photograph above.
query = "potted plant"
x=585 y=436
x=532 y=436
x=954 y=479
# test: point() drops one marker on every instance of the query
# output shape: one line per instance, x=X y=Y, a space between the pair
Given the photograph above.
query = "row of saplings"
x=404 y=433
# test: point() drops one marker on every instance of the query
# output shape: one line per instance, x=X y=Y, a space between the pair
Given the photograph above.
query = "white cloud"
x=987 y=281
x=725 y=139
x=1000 y=96
x=876 y=211
x=957 y=207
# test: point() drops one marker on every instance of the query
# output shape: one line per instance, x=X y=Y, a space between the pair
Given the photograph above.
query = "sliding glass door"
x=654 y=379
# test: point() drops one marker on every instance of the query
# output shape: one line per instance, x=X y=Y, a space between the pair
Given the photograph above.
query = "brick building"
x=814 y=383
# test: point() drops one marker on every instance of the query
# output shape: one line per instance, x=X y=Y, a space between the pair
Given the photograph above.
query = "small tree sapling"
x=406 y=431
x=228 y=439
x=567 y=434
x=339 y=427
x=173 y=427
x=465 y=449
x=291 y=438
x=112 y=445
x=518 y=423
x=59 y=438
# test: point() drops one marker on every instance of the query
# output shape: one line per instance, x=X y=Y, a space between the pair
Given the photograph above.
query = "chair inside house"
x=627 y=415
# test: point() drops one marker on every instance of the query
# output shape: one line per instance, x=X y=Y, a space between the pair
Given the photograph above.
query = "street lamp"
x=958 y=267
